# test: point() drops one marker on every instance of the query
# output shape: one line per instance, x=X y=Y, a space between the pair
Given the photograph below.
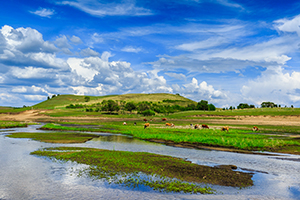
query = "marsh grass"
x=12 y=124
x=55 y=137
x=122 y=167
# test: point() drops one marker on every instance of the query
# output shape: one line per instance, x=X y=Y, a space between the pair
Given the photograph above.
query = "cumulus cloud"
x=203 y=90
x=30 y=72
x=43 y=12
x=95 y=8
x=273 y=85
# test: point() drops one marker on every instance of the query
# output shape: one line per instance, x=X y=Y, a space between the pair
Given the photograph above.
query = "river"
x=25 y=176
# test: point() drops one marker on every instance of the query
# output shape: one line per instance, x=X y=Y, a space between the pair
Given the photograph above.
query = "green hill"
x=63 y=100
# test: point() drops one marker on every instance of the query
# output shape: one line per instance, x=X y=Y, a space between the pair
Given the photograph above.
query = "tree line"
x=265 y=104
x=144 y=107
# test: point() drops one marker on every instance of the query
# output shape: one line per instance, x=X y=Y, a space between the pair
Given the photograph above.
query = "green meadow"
x=234 y=138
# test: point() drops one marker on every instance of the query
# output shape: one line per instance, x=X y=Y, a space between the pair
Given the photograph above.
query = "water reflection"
x=23 y=176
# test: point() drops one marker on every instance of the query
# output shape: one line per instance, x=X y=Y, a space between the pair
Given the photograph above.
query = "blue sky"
x=224 y=51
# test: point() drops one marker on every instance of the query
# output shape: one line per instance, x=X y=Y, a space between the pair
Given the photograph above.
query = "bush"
x=148 y=113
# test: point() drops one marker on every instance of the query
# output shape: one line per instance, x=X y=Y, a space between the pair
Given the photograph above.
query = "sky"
x=224 y=51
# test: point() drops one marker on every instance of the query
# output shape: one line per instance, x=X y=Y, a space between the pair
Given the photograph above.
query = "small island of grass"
x=176 y=175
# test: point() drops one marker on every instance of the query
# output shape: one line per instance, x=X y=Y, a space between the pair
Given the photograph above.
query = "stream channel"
x=25 y=176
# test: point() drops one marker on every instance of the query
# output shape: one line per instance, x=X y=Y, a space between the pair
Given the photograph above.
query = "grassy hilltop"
x=63 y=100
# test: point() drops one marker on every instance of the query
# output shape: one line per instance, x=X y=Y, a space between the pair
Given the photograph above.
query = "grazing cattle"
x=146 y=125
x=145 y=120
x=255 y=128
x=197 y=126
x=225 y=128
x=134 y=123
x=205 y=126
x=164 y=119
x=170 y=124
x=124 y=123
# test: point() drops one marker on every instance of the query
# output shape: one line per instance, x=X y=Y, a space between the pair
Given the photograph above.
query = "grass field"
x=235 y=138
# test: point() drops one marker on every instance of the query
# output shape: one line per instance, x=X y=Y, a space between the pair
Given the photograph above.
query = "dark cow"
x=205 y=126
x=255 y=128
x=197 y=126
x=145 y=119
x=164 y=119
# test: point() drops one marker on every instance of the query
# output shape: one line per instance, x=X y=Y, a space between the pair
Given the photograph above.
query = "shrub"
x=148 y=113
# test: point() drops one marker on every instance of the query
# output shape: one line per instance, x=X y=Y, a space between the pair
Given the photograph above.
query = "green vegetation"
x=166 y=173
x=61 y=101
x=55 y=137
x=237 y=139
x=11 y=124
x=239 y=112
x=13 y=110
x=141 y=107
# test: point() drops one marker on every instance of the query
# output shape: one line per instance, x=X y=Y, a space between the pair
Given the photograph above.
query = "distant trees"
x=203 y=105
x=165 y=106
x=268 y=105
x=130 y=106
x=244 y=105
x=110 y=106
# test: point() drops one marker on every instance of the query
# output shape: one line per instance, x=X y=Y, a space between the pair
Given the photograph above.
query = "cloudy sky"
x=224 y=51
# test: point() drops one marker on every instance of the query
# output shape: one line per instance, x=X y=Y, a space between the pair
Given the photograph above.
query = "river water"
x=25 y=176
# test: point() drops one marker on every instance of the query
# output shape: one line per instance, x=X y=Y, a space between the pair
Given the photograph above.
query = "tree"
x=202 y=105
x=268 y=104
x=130 y=106
x=143 y=106
x=211 y=107
x=148 y=112
x=243 y=105
x=110 y=106
x=87 y=98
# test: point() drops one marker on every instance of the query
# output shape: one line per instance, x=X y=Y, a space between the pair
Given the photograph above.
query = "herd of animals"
x=196 y=126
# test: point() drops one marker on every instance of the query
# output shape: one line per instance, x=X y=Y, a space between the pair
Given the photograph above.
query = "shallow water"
x=24 y=176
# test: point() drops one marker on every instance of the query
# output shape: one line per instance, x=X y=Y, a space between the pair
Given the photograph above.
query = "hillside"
x=63 y=100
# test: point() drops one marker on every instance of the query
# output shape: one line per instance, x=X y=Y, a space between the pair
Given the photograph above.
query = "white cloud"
x=76 y=39
x=19 y=89
x=203 y=90
x=82 y=68
x=25 y=40
x=89 y=52
x=98 y=9
x=43 y=12
x=35 y=97
x=179 y=76
x=273 y=85
x=30 y=72
x=131 y=49
x=62 y=42
x=288 y=25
